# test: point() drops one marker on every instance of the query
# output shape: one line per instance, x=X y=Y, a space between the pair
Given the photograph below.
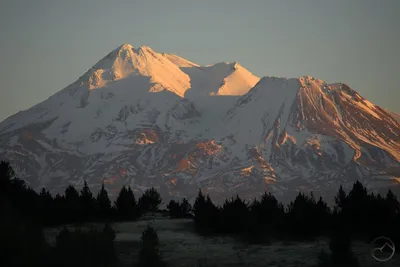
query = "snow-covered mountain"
x=396 y=116
x=144 y=118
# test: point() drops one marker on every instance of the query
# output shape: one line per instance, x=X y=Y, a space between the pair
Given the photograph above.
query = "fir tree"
x=126 y=205
x=72 y=204
x=185 y=207
x=340 y=200
x=103 y=204
x=46 y=206
x=149 y=254
x=87 y=202
x=150 y=201
x=174 y=209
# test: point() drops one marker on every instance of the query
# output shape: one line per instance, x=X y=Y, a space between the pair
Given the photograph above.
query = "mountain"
x=145 y=118
x=396 y=116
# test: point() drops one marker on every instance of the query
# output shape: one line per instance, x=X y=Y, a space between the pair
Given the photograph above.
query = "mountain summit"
x=145 y=118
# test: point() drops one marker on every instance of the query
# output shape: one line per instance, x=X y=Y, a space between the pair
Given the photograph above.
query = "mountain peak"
x=145 y=48
x=128 y=61
x=125 y=46
x=230 y=132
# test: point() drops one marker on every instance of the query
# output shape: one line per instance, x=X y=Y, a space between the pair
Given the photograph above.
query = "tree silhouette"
x=87 y=203
x=340 y=246
x=323 y=213
x=302 y=217
x=46 y=207
x=354 y=209
x=234 y=216
x=20 y=231
x=149 y=254
x=126 y=205
x=72 y=204
x=340 y=200
x=186 y=208
x=207 y=216
x=356 y=215
x=179 y=210
x=60 y=214
x=103 y=204
x=6 y=175
x=150 y=201
x=174 y=209
x=200 y=212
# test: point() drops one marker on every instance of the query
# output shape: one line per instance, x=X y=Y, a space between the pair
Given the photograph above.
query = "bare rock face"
x=147 y=119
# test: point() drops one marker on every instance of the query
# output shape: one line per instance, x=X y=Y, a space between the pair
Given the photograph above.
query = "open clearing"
x=180 y=246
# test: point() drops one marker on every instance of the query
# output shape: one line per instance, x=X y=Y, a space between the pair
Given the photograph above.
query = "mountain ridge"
x=145 y=118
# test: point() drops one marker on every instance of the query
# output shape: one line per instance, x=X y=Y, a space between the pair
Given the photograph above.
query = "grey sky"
x=47 y=44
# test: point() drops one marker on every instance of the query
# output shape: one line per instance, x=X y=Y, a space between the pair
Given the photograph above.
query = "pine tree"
x=358 y=201
x=73 y=211
x=121 y=204
x=6 y=175
x=340 y=200
x=323 y=214
x=150 y=201
x=59 y=210
x=185 y=208
x=103 y=204
x=392 y=215
x=46 y=206
x=200 y=212
x=87 y=202
x=340 y=246
x=126 y=205
x=134 y=212
x=149 y=254
x=234 y=217
x=174 y=209
x=392 y=203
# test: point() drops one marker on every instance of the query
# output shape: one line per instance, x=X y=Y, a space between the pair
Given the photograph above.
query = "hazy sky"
x=46 y=45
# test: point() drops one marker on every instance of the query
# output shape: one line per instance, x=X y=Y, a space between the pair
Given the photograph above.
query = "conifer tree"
x=200 y=211
x=150 y=201
x=357 y=206
x=46 y=206
x=134 y=212
x=103 y=204
x=340 y=200
x=72 y=204
x=6 y=175
x=121 y=204
x=87 y=203
x=174 y=209
x=340 y=246
x=185 y=208
x=149 y=254
x=126 y=205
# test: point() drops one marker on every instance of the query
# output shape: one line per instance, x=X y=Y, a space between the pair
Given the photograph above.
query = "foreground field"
x=180 y=246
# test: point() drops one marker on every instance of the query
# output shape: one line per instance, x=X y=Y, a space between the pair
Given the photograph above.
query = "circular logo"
x=382 y=249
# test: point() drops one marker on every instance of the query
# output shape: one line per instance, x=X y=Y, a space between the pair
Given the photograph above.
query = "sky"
x=48 y=44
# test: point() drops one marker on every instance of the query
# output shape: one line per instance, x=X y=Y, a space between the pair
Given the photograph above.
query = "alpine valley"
x=143 y=118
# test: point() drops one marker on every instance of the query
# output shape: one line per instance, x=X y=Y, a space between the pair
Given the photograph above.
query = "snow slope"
x=396 y=116
x=145 y=118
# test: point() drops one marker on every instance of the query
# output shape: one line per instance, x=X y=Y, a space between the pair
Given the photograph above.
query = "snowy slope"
x=396 y=116
x=145 y=118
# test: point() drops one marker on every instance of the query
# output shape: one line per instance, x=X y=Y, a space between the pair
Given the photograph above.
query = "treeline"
x=74 y=206
x=357 y=214
x=24 y=213
x=360 y=214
